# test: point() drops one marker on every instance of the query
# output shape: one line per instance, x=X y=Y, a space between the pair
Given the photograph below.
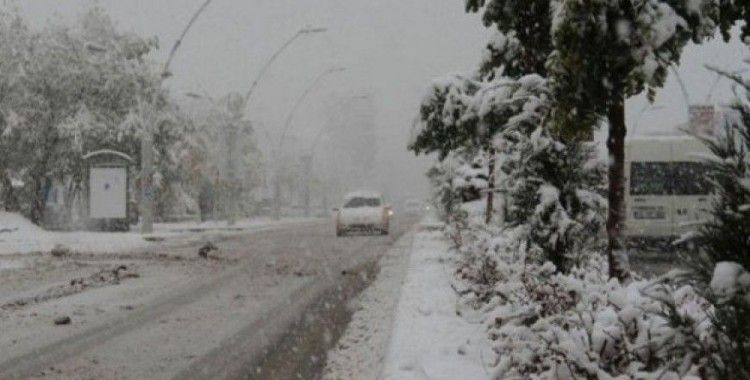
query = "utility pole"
x=276 y=190
x=307 y=168
x=147 y=193
x=231 y=175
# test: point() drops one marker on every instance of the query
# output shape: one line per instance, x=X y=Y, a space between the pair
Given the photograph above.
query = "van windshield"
x=362 y=202
x=668 y=178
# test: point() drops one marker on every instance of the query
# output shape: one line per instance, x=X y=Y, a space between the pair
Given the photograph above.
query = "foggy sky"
x=391 y=49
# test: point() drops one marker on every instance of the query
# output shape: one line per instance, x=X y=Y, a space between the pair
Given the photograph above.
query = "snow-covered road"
x=168 y=313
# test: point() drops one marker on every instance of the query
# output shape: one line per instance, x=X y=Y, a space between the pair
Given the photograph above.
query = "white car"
x=363 y=211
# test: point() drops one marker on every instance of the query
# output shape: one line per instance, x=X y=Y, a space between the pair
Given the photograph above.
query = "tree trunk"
x=616 y=254
x=490 y=188
x=277 y=197
x=9 y=201
x=39 y=193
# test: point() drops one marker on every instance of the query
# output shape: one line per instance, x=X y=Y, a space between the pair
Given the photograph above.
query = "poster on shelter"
x=108 y=193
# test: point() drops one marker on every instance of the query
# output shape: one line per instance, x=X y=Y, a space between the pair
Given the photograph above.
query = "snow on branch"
x=458 y=111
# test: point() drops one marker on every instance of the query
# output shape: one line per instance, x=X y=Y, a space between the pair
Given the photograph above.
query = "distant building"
x=707 y=120
x=702 y=120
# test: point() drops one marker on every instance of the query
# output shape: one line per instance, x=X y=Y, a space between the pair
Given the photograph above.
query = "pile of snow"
x=19 y=236
x=15 y=223
x=729 y=280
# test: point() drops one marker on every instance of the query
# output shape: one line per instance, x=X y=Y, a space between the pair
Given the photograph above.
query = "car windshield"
x=362 y=202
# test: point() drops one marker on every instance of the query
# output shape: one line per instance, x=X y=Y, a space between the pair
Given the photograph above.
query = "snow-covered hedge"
x=581 y=324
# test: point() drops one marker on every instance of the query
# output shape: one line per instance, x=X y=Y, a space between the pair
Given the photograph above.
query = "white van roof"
x=665 y=137
x=681 y=147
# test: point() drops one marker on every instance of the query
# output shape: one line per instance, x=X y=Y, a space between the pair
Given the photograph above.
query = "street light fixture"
x=300 y=100
x=310 y=29
x=302 y=31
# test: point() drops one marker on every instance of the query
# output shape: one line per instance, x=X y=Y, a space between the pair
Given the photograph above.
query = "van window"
x=650 y=178
x=668 y=178
x=689 y=178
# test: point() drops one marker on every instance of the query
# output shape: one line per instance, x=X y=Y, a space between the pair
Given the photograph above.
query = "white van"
x=666 y=189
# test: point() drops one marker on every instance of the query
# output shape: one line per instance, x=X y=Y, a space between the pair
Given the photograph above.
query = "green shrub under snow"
x=581 y=325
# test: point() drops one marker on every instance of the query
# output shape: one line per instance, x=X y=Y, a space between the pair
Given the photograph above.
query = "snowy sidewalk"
x=405 y=324
x=361 y=350
x=20 y=236
x=429 y=341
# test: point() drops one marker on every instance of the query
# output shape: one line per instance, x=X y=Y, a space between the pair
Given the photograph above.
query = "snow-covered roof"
x=107 y=151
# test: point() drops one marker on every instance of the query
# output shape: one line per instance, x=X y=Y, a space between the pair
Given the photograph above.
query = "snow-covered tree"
x=205 y=158
x=555 y=197
x=606 y=51
x=596 y=54
x=14 y=37
x=69 y=91
x=553 y=188
x=463 y=114
x=459 y=178
x=522 y=41
x=444 y=123
x=724 y=236
x=721 y=265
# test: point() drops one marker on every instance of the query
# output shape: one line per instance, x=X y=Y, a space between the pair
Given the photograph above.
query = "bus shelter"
x=108 y=190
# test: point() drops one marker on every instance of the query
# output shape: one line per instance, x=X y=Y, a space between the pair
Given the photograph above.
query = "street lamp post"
x=147 y=200
x=234 y=105
x=287 y=125
x=308 y=161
